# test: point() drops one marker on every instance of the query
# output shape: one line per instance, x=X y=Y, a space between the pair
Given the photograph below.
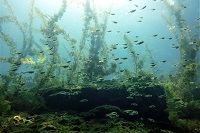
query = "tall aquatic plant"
x=95 y=67
x=182 y=89
x=50 y=31
x=14 y=93
x=138 y=62
x=27 y=41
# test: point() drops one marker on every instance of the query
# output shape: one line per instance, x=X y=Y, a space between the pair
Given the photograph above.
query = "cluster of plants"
x=182 y=89
x=90 y=60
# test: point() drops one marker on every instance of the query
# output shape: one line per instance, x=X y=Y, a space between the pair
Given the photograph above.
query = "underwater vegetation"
x=88 y=79
x=182 y=90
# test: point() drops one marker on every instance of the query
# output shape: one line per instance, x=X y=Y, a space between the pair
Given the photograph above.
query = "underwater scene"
x=104 y=66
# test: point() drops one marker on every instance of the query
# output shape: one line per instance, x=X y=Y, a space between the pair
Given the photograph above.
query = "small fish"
x=132 y=11
x=23 y=83
x=151 y=106
x=18 y=53
x=88 y=61
x=121 y=70
x=155 y=35
x=128 y=32
x=42 y=72
x=153 y=64
x=177 y=99
x=54 y=40
x=151 y=120
x=58 y=93
x=148 y=96
x=162 y=38
x=112 y=115
x=83 y=100
x=115 y=22
x=28 y=72
x=162 y=96
x=176 y=47
x=164 y=61
x=153 y=9
x=100 y=79
x=192 y=83
x=13 y=69
x=89 y=17
x=17 y=63
x=97 y=30
x=124 y=58
x=140 y=76
x=185 y=29
x=116 y=59
x=143 y=7
x=52 y=76
x=103 y=60
x=141 y=42
x=112 y=13
x=51 y=48
x=197 y=26
x=109 y=30
x=134 y=104
x=129 y=97
x=131 y=112
x=64 y=65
